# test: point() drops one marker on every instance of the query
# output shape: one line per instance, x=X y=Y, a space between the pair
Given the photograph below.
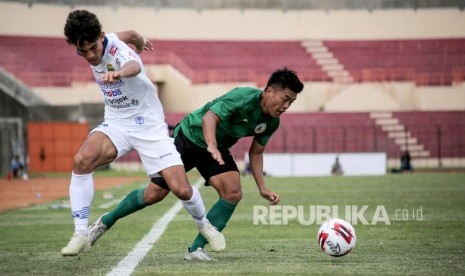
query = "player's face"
x=91 y=51
x=277 y=101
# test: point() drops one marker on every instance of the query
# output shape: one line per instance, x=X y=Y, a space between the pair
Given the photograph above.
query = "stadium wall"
x=235 y=24
x=238 y=24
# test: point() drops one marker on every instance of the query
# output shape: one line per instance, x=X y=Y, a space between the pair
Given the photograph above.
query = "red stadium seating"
x=440 y=133
x=424 y=61
x=45 y=61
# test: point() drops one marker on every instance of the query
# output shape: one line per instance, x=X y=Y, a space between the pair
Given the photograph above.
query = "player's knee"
x=82 y=164
x=233 y=196
x=183 y=192
x=152 y=196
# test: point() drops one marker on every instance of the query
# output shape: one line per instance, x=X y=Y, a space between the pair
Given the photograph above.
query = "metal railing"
x=434 y=145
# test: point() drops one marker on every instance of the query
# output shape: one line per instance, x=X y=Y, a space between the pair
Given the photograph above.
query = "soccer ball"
x=336 y=237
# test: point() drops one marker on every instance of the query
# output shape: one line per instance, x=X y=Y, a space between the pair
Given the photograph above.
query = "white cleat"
x=76 y=245
x=96 y=230
x=198 y=255
x=214 y=237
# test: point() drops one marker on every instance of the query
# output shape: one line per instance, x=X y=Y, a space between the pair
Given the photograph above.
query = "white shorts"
x=155 y=147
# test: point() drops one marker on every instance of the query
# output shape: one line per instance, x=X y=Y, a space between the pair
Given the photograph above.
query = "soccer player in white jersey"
x=133 y=119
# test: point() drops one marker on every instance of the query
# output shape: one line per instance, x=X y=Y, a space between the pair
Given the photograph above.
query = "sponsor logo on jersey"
x=113 y=49
x=110 y=67
x=115 y=84
x=139 y=120
x=260 y=128
x=109 y=93
x=118 y=62
x=135 y=102
x=116 y=101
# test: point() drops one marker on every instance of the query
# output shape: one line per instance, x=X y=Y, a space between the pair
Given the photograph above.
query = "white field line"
x=127 y=265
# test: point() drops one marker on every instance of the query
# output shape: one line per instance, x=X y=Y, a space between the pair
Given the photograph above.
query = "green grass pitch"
x=425 y=233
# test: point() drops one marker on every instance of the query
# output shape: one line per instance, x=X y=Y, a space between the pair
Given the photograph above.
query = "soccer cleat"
x=198 y=255
x=214 y=237
x=76 y=245
x=96 y=230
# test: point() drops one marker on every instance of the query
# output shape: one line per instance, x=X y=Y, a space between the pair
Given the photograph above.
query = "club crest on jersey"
x=110 y=67
x=260 y=128
x=113 y=50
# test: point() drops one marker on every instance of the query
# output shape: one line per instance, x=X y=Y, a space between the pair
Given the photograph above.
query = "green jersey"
x=240 y=115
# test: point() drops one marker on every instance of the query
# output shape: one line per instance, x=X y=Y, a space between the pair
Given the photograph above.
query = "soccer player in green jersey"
x=203 y=139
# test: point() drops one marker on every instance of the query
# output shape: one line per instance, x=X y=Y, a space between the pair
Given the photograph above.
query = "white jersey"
x=131 y=103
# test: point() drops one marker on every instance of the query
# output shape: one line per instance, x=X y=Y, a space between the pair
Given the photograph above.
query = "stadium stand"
x=201 y=61
x=237 y=61
x=440 y=133
x=400 y=70
x=424 y=61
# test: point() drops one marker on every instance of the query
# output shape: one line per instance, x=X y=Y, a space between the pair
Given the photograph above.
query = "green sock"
x=219 y=215
x=131 y=203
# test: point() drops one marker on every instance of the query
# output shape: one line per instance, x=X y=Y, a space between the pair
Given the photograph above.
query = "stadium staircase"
x=326 y=60
x=397 y=132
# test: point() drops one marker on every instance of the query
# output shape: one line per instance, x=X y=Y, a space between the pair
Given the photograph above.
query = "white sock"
x=195 y=208
x=81 y=193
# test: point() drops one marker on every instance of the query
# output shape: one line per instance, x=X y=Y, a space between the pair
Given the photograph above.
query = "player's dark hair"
x=285 y=78
x=82 y=26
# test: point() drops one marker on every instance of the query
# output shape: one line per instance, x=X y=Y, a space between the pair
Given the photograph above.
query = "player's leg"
x=136 y=200
x=96 y=150
x=176 y=179
x=161 y=157
x=225 y=178
x=229 y=189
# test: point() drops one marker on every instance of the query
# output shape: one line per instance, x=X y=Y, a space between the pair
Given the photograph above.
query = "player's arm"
x=130 y=69
x=209 y=122
x=256 y=166
x=136 y=39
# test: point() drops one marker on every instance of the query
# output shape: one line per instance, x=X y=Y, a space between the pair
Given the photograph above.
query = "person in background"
x=406 y=162
x=336 y=169
x=16 y=167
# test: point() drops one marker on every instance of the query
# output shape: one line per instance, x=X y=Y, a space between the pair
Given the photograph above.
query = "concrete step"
x=376 y=115
x=399 y=134
x=387 y=121
x=390 y=128
x=323 y=56
x=419 y=154
x=327 y=61
x=412 y=147
x=403 y=141
x=312 y=43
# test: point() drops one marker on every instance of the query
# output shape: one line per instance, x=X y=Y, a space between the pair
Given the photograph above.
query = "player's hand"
x=216 y=154
x=110 y=77
x=147 y=46
x=269 y=195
